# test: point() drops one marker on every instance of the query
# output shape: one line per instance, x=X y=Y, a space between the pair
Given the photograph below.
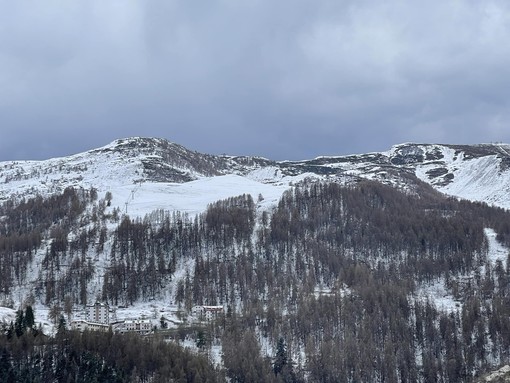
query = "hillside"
x=478 y=172
x=353 y=268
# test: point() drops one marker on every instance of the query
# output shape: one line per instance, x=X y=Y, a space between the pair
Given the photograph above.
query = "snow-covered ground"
x=480 y=179
x=120 y=168
x=152 y=311
x=437 y=293
x=122 y=176
x=7 y=315
x=474 y=179
x=496 y=250
x=191 y=197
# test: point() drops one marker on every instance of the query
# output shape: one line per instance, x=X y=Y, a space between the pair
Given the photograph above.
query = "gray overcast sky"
x=286 y=79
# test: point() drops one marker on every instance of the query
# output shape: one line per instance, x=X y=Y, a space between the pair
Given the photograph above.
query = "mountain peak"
x=476 y=172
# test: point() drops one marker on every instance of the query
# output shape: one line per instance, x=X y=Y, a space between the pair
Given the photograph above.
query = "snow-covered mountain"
x=144 y=174
x=365 y=249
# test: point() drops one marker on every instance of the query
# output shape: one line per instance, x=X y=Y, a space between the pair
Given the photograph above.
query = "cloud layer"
x=285 y=80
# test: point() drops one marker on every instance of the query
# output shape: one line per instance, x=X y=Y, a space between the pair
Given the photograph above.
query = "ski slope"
x=191 y=197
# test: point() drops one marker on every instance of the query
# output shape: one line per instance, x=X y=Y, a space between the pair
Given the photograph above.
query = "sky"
x=287 y=79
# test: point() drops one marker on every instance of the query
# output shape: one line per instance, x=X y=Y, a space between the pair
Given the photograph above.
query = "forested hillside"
x=27 y=355
x=326 y=287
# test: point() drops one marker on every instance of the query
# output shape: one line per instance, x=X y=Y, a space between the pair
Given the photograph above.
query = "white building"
x=209 y=312
x=82 y=325
x=140 y=326
x=212 y=311
x=98 y=313
x=197 y=310
x=97 y=318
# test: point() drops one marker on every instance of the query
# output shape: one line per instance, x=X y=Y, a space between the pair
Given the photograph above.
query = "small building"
x=197 y=310
x=140 y=326
x=209 y=312
x=212 y=311
x=82 y=325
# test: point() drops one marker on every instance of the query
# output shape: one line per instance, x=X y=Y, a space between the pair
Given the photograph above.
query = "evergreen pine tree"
x=19 y=324
x=201 y=339
x=280 y=358
x=62 y=325
x=29 y=317
x=282 y=366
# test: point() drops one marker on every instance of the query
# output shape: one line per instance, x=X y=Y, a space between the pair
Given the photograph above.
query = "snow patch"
x=7 y=315
x=497 y=252
x=437 y=293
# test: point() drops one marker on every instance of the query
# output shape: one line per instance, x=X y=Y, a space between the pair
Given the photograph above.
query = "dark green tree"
x=280 y=360
x=19 y=324
x=282 y=366
x=201 y=339
x=10 y=331
x=29 y=317
x=62 y=325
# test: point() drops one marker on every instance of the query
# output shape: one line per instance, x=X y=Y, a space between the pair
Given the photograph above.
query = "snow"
x=476 y=179
x=437 y=293
x=121 y=172
x=497 y=252
x=191 y=197
x=7 y=315
x=41 y=317
x=152 y=311
x=216 y=355
x=268 y=174
x=114 y=172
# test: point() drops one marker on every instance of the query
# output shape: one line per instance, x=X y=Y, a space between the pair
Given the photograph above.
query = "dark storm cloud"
x=286 y=80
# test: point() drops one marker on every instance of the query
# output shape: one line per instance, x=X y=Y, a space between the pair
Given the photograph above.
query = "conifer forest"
x=326 y=287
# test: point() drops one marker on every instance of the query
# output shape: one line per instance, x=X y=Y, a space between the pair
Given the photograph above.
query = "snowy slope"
x=191 y=197
x=485 y=178
x=7 y=315
x=144 y=174
x=123 y=172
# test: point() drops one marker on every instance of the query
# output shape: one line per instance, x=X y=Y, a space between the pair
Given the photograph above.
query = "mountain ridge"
x=476 y=172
